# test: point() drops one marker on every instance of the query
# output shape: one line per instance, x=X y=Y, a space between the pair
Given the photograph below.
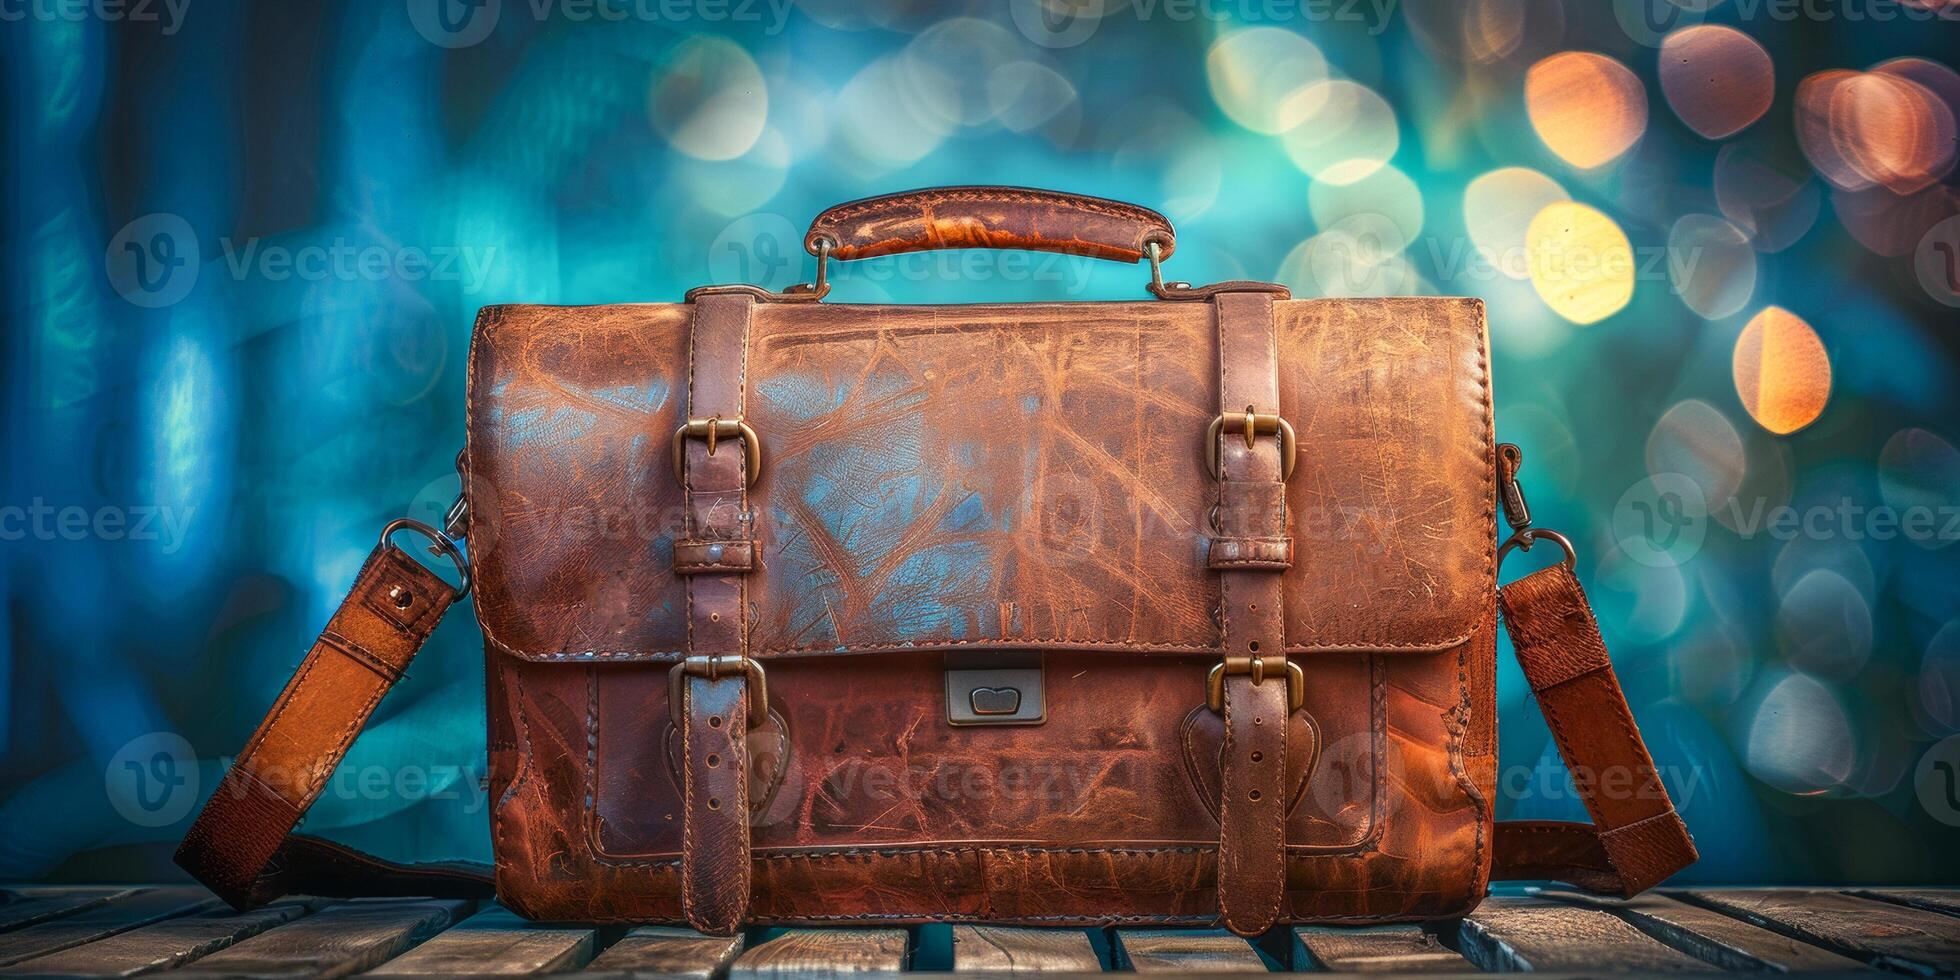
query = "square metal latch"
x=994 y=689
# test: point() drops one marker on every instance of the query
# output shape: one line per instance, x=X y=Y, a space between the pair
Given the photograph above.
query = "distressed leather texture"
x=1017 y=477
x=941 y=486
x=990 y=217
x=1010 y=479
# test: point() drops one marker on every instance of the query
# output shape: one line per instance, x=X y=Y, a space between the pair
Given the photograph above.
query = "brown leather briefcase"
x=1177 y=611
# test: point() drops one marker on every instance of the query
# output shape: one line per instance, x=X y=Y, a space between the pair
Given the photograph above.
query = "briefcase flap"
x=933 y=478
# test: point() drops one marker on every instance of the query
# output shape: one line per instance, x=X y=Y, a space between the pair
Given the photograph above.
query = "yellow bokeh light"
x=1588 y=108
x=1581 y=262
x=1264 y=77
x=1782 y=371
x=1497 y=208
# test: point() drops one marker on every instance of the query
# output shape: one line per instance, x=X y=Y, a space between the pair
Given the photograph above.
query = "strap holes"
x=714 y=721
x=714 y=617
x=1254 y=796
x=1252 y=645
x=715 y=760
x=714 y=802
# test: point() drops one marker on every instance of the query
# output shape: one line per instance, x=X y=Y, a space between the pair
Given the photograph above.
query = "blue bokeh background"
x=244 y=243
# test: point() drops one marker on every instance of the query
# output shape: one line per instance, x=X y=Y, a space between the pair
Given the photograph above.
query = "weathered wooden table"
x=105 y=931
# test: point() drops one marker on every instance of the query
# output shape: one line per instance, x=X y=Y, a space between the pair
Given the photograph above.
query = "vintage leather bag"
x=1178 y=611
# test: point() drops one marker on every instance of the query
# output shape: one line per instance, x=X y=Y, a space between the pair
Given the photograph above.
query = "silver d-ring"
x=1528 y=536
x=439 y=543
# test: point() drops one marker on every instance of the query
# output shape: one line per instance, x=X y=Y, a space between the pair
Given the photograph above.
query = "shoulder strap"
x=241 y=846
x=1635 y=839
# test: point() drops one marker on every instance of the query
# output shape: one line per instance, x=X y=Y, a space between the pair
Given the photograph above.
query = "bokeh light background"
x=1717 y=241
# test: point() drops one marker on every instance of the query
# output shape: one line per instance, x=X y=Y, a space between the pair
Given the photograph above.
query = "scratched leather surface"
x=896 y=521
x=971 y=477
x=888 y=814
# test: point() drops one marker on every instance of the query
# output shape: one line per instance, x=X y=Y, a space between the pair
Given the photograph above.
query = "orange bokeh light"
x=1588 y=108
x=1782 y=371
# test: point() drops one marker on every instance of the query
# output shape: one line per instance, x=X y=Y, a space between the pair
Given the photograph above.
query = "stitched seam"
x=359 y=654
x=1112 y=645
x=1113 y=209
x=343 y=739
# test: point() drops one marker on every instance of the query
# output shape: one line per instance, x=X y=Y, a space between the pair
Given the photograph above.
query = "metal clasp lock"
x=1296 y=681
x=715 y=668
x=1251 y=424
x=713 y=429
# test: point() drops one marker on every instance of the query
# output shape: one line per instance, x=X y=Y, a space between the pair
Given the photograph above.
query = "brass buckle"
x=1296 y=681
x=715 y=668
x=714 y=428
x=1252 y=425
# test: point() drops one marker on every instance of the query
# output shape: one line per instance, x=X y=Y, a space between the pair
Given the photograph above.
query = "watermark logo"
x=153 y=261
x=152 y=780
x=1661 y=521
x=1647 y=22
x=465 y=23
x=1058 y=23
x=167 y=14
x=454 y=23
x=1937 y=781
x=761 y=249
x=1936 y=261
x=40 y=520
x=1067 y=23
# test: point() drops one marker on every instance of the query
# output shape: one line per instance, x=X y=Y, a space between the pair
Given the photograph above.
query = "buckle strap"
x=1254 y=688
x=717 y=692
x=715 y=847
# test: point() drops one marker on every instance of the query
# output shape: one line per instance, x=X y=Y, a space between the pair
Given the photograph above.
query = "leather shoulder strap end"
x=1636 y=839
x=235 y=844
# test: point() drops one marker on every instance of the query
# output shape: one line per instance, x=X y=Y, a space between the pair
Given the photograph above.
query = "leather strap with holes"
x=713 y=715
x=1251 y=507
x=239 y=846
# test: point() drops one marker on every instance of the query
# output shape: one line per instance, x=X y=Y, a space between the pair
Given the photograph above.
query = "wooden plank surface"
x=342 y=939
x=27 y=906
x=800 y=952
x=1722 y=940
x=1001 y=949
x=138 y=908
x=1186 y=951
x=1542 y=935
x=1399 y=948
x=1945 y=900
x=669 y=951
x=161 y=946
x=1882 y=933
x=494 y=942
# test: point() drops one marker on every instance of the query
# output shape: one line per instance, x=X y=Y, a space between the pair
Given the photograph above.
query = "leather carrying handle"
x=990 y=217
x=243 y=848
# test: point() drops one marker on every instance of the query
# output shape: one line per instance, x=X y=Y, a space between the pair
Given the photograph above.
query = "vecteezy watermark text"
x=40 y=520
x=463 y=23
x=155 y=260
x=168 y=15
